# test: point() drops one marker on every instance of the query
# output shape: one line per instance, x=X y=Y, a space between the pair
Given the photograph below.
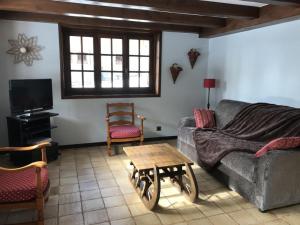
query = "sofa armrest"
x=278 y=182
x=186 y=122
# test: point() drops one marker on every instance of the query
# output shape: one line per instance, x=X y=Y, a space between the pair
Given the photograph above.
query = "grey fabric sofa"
x=271 y=181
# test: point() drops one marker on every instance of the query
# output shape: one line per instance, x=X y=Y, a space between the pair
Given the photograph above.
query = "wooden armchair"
x=123 y=130
x=25 y=187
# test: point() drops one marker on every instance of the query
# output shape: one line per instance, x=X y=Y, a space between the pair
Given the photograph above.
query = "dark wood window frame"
x=155 y=57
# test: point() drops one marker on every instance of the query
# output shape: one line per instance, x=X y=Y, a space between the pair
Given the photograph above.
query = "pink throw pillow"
x=279 y=143
x=204 y=118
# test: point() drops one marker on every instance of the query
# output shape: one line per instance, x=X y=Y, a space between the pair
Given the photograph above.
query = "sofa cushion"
x=21 y=186
x=242 y=163
x=226 y=110
x=125 y=131
x=204 y=118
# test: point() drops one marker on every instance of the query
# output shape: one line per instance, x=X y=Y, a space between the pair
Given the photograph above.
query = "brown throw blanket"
x=250 y=130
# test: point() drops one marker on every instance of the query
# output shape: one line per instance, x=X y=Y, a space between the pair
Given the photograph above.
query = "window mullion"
x=126 y=62
x=97 y=63
x=82 y=78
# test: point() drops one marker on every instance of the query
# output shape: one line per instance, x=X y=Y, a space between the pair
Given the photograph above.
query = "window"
x=99 y=63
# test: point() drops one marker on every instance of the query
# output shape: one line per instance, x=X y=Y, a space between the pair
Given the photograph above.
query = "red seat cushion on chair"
x=125 y=131
x=21 y=186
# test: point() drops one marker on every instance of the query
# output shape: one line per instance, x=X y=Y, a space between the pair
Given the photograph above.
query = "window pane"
x=117 y=46
x=117 y=80
x=133 y=80
x=89 y=81
x=105 y=45
x=75 y=44
x=133 y=63
x=88 y=45
x=76 y=79
x=144 y=47
x=133 y=47
x=75 y=62
x=117 y=63
x=106 y=80
x=105 y=62
x=144 y=79
x=144 y=64
x=88 y=62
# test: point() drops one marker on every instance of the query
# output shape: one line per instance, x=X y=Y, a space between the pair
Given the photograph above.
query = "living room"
x=253 y=62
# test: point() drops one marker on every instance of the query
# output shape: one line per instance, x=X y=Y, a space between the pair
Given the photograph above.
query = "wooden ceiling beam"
x=269 y=15
x=86 y=10
x=195 y=7
x=92 y=22
x=276 y=2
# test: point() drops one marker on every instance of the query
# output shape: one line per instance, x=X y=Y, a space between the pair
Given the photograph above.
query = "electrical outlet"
x=158 y=128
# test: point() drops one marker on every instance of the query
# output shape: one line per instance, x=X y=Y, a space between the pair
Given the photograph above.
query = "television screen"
x=30 y=95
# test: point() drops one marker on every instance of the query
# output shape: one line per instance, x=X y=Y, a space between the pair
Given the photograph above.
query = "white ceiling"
x=238 y=2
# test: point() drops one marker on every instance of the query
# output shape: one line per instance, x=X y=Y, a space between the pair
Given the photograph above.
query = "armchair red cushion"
x=125 y=131
x=21 y=186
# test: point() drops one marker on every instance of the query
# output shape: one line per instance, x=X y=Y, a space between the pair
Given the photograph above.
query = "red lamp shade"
x=209 y=83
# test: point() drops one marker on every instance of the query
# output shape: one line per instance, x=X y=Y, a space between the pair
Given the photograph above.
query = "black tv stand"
x=32 y=116
x=26 y=130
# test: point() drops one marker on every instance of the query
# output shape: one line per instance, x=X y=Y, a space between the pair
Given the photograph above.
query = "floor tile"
x=261 y=217
x=69 y=188
x=138 y=209
x=107 y=183
x=93 y=204
x=52 y=221
x=52 y=200
x=114 y=201
x=222 y=219
x=76 y=219
x=132 y=198
x=94 y=217
x=147 y=219
x=127 y=221
x=68 y=173
x=209 y=208
x=108 y=192
x=69 y=198
x=243 y=217
x=87 y=186
x=203 y=221
x=50 y=211
x=118 y=212
x=86 y=178
x=190 y=213
x=70 y=209
x=92 y=194
x=68 y=180
x=169 y=216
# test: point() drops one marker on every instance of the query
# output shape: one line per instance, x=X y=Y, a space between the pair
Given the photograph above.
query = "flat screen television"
x=30 y=95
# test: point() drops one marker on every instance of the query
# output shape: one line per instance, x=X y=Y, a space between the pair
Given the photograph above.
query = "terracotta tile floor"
x=88 y=187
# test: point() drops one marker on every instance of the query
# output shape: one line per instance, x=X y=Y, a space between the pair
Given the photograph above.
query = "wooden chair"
x=123 y=130
x=25 y=187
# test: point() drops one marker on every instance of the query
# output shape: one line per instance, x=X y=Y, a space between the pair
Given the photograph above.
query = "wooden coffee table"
x=153 y=163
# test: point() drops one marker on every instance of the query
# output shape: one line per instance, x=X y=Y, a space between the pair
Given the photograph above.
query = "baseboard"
x=104 y=142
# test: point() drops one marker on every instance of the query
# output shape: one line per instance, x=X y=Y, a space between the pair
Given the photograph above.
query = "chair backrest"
x=123 y=112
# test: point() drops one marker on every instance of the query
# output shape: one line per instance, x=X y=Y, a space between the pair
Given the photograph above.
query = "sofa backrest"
x=226 y=111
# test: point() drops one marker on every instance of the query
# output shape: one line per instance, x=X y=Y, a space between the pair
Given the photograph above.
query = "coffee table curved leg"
x=151 y=190
x=190 y=184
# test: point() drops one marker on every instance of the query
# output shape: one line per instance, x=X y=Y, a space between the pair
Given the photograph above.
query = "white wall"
x=258 y=65
x=82 y=120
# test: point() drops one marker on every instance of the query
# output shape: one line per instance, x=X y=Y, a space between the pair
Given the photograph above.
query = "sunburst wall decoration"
x=25 y=49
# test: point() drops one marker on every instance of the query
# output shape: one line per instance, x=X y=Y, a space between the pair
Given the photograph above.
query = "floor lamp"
x=209 y=83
